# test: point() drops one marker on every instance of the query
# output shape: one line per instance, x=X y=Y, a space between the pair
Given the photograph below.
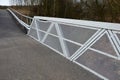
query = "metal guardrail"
x=95 y=46
x=22 y=19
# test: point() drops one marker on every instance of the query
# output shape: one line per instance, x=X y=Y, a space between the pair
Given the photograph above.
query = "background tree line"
x=99 y=10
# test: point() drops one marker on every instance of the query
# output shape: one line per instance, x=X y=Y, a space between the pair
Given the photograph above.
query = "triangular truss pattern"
x=89 y=43
x=69 y=47
x=109 y=48
x=68 y=37
x=77 y=34
x=104 y=44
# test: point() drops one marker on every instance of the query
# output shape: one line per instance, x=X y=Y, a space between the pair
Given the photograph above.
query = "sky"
x=7 y=3
x=4 y=2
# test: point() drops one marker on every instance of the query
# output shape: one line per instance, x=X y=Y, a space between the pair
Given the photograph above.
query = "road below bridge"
x=22 y=58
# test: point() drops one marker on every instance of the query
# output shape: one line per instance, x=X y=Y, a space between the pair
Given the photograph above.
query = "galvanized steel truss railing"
x=94 y=46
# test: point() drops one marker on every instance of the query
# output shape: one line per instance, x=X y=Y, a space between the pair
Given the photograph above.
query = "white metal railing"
x=94 y=46
x=22 y=19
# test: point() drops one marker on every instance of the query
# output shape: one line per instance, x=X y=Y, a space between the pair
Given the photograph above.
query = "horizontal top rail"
x=93 y=24
x=19 y=19
x=87 y=23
